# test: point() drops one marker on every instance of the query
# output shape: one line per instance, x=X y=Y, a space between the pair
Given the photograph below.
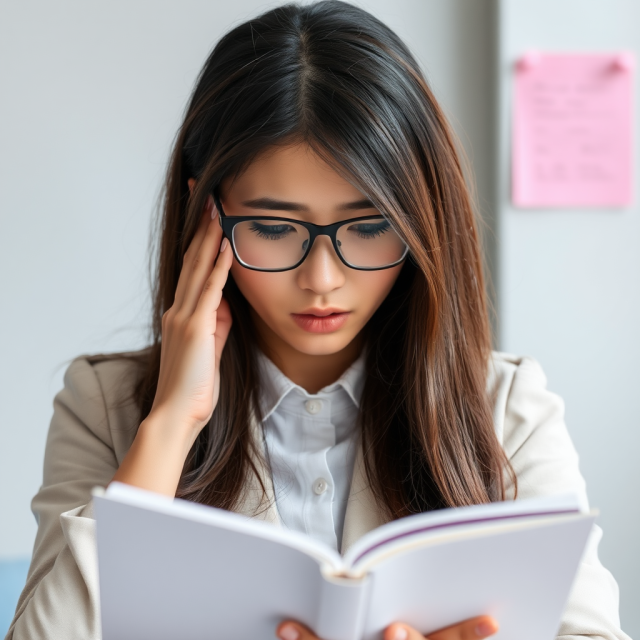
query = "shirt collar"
x=274 y=385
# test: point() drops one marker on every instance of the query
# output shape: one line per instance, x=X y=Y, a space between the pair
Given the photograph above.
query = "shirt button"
x=320 y=486
x=313 y=406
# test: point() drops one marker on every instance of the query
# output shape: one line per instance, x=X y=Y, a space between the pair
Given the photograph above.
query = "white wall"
x=569 y=285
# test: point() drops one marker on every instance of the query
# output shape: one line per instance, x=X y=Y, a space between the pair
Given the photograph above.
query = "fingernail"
x=223 y=246
x=288 y=632
x=214 y=212
x=401 y=634
x=484 y=629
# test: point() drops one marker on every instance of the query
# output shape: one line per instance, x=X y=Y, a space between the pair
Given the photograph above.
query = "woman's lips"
x=320 y=324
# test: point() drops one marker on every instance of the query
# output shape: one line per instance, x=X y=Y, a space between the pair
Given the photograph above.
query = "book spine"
x=343 y=608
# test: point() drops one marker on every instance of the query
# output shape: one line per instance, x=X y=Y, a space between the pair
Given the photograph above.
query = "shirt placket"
x=318 y=484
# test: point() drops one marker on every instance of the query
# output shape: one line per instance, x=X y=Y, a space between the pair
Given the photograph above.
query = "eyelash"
x=264 y=232
x=278 y=232
x=379 y=229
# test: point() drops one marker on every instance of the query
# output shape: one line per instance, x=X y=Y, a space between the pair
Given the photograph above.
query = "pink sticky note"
x=572 y=130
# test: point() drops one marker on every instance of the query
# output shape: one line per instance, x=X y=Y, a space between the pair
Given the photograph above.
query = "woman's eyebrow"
x=272 y=204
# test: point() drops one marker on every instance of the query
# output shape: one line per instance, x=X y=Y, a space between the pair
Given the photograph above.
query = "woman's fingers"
x=222 y=328
x=294 y=631
x=201 y=268
x=398 y=631
x=472 y=629
x=192 y=251
x=211 y=291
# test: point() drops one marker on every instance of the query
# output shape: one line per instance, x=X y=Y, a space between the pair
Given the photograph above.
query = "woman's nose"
x=322 y=271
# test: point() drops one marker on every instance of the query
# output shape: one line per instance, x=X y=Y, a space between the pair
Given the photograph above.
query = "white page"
x=129 y=494
x=433 y=520
x=518 y=574
x=183 y=587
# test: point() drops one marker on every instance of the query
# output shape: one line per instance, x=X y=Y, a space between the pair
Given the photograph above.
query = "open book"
x=175 y=570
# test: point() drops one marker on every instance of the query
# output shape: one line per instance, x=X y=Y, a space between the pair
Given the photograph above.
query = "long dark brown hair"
x=334 y=77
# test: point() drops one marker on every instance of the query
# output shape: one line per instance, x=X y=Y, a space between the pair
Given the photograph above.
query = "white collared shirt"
x=311 y=446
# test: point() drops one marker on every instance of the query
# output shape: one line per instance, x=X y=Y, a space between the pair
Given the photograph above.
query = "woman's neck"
x=311 y=372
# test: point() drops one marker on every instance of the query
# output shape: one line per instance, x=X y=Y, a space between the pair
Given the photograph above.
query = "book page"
x=451 y=519
x=169 y=570
x=517 y=573
x=226 y=519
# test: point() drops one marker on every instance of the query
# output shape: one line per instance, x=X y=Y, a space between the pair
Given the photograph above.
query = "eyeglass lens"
x=280 y=244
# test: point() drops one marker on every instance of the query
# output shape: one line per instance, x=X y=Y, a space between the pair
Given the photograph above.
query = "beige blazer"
x=92 y=430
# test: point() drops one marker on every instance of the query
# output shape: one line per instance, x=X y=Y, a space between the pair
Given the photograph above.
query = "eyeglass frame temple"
x=330 y=230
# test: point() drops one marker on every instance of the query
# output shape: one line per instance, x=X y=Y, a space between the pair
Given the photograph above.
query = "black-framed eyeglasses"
x=272 y=243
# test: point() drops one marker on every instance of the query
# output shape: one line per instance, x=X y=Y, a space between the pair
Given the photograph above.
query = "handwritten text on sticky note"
x=572 y=133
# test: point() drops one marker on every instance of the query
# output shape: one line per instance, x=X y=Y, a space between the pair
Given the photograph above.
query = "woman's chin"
x=318 y=344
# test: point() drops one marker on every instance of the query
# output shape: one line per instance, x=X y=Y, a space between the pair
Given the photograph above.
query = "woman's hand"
x=194 y=332
x=472 y=629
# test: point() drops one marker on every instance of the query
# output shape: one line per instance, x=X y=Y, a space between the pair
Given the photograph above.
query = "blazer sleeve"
x=60 y=598
x=545 y=461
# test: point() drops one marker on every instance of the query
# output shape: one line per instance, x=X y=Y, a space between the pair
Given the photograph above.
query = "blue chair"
x=13 y=574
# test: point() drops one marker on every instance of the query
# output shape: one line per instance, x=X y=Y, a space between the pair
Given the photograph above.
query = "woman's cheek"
x=374 y=287
x=267 y=293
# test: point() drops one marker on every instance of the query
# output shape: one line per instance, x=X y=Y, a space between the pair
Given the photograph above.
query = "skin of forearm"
x=157 y=456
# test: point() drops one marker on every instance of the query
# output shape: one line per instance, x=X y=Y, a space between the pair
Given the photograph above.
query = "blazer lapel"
x=255 y=502
x=362 y=514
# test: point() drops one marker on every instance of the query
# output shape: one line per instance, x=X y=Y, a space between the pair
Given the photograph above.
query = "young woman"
x=322 y=354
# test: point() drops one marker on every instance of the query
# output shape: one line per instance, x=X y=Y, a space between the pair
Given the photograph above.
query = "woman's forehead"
x=294 y=173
